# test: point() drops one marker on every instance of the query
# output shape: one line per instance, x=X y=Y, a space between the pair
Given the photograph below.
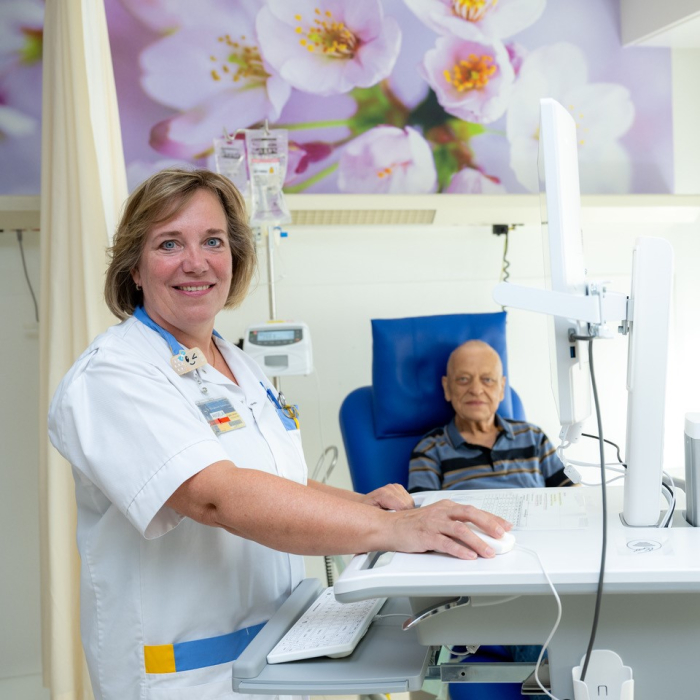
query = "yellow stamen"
x=239 y=61
x=472 y=10
x=473 y=73
x=332 y=38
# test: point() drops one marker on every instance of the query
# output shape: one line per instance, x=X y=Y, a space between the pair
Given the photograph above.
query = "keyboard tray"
x=386 y=660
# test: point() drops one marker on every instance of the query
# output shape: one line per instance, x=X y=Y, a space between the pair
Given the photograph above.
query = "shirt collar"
x=457 y=439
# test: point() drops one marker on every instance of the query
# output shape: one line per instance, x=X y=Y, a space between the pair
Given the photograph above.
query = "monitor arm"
x=598 y=308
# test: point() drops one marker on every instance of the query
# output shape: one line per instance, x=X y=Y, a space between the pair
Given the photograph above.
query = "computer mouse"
x=500 y=545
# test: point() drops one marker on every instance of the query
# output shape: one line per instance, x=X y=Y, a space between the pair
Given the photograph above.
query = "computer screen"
x=565 y=270
x=574 y=304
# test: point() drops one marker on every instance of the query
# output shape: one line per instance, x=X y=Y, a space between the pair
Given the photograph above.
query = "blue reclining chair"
x=382 y=423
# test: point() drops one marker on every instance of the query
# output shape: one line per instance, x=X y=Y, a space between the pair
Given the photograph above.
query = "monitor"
x=565 y=270
x=579 y=305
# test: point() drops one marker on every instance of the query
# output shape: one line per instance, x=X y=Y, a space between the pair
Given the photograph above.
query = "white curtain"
x=83 y=186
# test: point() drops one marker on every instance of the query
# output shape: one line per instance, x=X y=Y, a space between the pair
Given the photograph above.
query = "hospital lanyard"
x=183 y=360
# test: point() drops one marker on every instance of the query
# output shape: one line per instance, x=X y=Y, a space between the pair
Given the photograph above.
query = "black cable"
x=26 y=274
x=601 y=447
x=610 y=442
x=505 y=275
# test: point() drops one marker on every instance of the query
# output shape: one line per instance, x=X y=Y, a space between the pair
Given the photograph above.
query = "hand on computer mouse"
x=500 y=545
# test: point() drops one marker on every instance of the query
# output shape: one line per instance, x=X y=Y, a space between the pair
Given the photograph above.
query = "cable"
x=609 y=442
x=670 y=495
x=556 y=624
x=505 y=274
x=26 y=274
x=601 y=446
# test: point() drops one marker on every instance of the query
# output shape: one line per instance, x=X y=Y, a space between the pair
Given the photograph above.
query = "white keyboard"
x=327 y=628
x=506 y=505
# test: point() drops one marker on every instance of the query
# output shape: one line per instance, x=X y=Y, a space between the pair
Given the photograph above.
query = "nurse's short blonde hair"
x=155 y=201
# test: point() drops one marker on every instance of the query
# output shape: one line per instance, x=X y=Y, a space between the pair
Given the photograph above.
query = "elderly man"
x=478 y=449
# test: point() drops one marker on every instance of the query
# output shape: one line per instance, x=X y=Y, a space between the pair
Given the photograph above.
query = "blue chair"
x=381 y=424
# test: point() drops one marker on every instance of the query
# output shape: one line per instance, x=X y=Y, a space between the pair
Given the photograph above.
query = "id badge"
x=220 y=415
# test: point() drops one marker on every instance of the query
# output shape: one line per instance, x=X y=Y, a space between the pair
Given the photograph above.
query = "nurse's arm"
x=389 y=497
x=291 y=517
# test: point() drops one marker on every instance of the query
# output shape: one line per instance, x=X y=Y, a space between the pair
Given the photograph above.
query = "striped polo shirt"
x=521 y=457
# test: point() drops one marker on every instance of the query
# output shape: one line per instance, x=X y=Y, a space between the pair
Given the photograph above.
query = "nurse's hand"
x=442 y=527
x=389 y=497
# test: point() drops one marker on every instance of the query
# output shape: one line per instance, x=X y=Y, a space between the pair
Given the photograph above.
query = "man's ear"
x=503 y=388
x=446 y=389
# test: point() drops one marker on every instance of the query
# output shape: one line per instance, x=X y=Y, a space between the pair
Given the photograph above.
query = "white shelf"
x=435 y=209
x=482 y=210
x=19 y=212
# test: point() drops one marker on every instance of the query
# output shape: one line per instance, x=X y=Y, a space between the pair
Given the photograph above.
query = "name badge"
x=188 y=360
x=221 y=415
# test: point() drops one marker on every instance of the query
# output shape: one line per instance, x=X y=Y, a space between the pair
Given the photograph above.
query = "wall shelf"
x=19 y=212
x=436 y=210
x=482 y=210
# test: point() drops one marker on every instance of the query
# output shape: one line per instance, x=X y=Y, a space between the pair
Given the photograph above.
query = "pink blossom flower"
x=302 y=155
x=471 y=181
x=214 y=77
x=15 y=123
x=603 y=113
x=387 y=160
x=139 y=170
x=472 y=79
x=516 y=53
x=21 y=32
x=476 y=19
x=328 y=47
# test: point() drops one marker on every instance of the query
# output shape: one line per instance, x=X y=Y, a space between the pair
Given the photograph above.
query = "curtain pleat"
x=83 y=186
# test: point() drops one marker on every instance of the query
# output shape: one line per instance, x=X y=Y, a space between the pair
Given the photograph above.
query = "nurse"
x=193 y=499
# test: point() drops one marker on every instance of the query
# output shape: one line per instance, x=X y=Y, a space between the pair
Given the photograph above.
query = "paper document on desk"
x=543 y=509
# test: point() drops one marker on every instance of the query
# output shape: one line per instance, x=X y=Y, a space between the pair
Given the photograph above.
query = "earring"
x=138 y=287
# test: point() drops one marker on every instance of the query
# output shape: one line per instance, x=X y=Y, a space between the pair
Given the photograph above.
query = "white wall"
x=338 y=280
x=20 y=425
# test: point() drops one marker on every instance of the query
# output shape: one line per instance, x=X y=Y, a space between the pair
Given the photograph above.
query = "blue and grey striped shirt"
x=521 y=457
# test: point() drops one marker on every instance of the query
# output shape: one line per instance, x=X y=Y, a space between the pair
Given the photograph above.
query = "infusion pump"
x=281 y=348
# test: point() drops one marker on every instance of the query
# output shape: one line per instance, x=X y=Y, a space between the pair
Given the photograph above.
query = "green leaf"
x=373 y=109
x=465 y=130
x=428 y=114
x=446 y=164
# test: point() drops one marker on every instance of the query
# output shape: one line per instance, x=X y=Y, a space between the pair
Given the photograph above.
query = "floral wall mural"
x=386 y=96
x=21 y=30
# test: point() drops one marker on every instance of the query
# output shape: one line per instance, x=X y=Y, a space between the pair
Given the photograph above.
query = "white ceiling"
x=684 y=35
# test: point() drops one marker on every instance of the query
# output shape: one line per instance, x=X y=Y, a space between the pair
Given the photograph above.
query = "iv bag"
x=267 y=152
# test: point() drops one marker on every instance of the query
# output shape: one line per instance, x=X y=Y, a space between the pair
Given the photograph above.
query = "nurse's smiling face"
x=185 y=269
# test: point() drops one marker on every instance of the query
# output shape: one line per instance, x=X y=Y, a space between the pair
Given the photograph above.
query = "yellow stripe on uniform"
x=159 y=659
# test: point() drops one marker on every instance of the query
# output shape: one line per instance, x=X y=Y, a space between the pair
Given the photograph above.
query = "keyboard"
x=327 y=628
x=507 y=506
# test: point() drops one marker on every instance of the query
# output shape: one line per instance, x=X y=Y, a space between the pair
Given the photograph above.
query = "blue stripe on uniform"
x=201 y=653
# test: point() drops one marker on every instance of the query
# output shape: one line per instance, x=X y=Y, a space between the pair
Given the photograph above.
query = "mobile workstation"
x=650 y=614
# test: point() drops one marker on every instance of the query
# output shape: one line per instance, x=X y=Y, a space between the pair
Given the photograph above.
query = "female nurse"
x=193 y=501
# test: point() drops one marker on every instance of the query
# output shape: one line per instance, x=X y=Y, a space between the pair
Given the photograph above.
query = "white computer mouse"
x=500 y=545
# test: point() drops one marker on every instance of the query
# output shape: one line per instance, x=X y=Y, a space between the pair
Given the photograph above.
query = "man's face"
x=474 y=384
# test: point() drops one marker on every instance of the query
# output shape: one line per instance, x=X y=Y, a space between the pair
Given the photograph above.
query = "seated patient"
x=478 y=449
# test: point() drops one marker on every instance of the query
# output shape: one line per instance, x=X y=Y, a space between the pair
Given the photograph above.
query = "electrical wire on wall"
x=505 y=275
x=26 y=273
x=503 y=230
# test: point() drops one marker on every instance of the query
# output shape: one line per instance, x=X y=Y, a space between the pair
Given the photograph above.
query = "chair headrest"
x=409 y=357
